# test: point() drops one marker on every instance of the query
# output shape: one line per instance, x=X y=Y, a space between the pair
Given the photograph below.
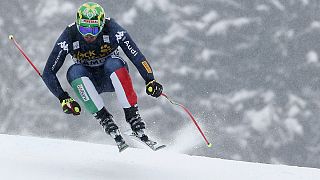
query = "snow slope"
x=45 y=159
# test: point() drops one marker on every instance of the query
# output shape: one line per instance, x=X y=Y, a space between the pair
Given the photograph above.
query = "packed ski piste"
x=93 y=42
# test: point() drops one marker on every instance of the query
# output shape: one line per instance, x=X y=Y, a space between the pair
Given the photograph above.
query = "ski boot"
x=134 y=119
x=137 y=126
x=106 y=121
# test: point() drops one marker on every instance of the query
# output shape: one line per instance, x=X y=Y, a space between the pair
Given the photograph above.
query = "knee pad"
x=88 y=94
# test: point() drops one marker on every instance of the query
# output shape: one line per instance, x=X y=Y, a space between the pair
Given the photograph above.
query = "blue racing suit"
x=100 y=58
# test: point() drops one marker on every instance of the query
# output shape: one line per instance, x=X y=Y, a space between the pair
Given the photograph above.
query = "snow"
x=305 y=2
x=278 y=4
x=293 y=126
x=242 y=95
x=222 y=26
x=206 y=54
x=260 y=120
x=211 y=74
x=211 y=16
x=185 y=139
x=146 y=5
x=149 y=5
x=51 y=159
x=262 y=7
x=315 y=25
x=174 y=32
x=47 y=9
x=128 y=17
x=312 y=57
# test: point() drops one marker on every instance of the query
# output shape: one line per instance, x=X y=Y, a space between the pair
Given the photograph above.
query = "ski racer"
x=93 y=41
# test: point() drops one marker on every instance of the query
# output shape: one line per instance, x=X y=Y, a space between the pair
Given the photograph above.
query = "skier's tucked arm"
x=54 y=63
x=49 y=76
x=132 y=51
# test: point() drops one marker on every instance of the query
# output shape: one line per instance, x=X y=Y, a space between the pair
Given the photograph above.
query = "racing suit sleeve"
x=54 y=63
x=131 y=50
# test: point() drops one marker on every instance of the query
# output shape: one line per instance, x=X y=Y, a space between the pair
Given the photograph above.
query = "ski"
x=153 y=145
x=122 y=146
x=116 y=135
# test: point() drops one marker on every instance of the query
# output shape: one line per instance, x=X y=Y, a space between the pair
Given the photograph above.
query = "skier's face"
x=89 y=38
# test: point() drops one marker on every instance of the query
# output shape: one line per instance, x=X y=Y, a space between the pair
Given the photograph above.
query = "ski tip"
x=209 y=145
x=10 y=36
x=123 y=148
x=160 y=147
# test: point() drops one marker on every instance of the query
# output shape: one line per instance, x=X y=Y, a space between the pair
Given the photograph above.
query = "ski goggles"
x=94 y=31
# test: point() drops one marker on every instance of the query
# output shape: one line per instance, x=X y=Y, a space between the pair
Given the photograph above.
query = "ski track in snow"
x=52 y=159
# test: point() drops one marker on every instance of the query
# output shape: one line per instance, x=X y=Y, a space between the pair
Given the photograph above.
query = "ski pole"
x=24 y=54
x=191 y=116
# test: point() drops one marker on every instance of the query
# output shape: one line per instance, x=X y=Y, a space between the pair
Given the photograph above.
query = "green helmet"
x=90 y=18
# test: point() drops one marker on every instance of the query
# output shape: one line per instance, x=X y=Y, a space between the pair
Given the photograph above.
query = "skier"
x=93 y=42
